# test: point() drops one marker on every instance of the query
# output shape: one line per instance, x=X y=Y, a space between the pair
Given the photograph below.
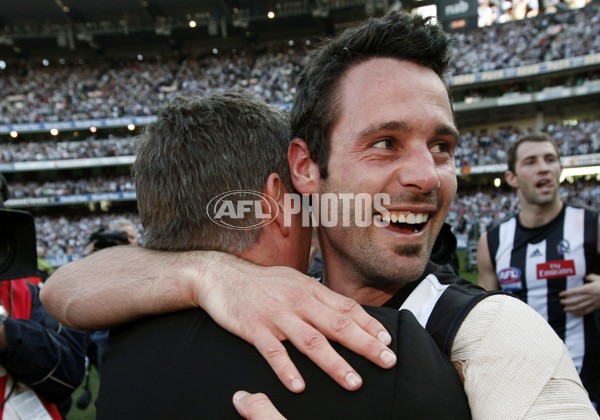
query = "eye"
x=441 y=148
x=386 y=143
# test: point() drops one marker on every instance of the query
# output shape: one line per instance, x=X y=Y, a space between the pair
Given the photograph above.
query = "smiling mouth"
x=542 y=183
x=402 y=222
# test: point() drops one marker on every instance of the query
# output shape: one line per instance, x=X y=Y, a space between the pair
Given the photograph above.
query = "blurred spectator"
x=110 y=88
x=99 y=339
x=41 y=361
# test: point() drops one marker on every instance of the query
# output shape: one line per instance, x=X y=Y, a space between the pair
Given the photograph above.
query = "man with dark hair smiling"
x=372 y=116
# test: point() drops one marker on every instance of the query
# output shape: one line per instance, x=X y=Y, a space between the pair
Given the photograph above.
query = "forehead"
x=387 y=89
x=529 y=149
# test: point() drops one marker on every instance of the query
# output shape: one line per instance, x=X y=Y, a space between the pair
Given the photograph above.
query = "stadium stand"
x=540 y=73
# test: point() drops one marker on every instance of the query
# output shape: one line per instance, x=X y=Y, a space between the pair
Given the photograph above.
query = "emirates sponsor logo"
x=555 y=269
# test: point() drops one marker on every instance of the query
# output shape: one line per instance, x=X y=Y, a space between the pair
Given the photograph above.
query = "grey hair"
x=199 y=148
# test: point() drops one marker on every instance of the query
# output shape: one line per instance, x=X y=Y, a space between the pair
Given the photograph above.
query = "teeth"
x=410 y=218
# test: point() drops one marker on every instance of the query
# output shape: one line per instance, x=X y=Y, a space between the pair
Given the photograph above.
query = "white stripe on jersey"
x=574 y=233
x=537 y=289
x=423 y=299
x=507 y=235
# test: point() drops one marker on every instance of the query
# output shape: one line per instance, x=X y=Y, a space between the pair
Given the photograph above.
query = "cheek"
x=448 y=184
x=559 y=171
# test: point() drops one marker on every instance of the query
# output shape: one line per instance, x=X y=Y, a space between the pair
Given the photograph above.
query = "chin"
x=409 y=268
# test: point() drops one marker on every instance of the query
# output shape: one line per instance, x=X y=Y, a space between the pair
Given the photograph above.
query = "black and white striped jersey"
x=536 y=264
x=440 y=300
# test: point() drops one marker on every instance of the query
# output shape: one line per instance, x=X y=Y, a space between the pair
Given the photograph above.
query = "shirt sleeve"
x=43 y=354
x=515 y=366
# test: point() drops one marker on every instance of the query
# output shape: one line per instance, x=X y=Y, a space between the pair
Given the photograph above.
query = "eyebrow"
x=544 y=155
x=442 y=130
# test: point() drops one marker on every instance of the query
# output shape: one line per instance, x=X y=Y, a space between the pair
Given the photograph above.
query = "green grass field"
x=471 y=276
x=90 y=412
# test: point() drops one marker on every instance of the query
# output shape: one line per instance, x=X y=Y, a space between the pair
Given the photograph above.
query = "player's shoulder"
x=584 y=208
x=511 y=218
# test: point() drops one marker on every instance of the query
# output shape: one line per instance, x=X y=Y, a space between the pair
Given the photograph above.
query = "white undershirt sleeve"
x=515 y=366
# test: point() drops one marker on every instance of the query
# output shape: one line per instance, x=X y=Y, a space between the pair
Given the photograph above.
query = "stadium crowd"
x=475 y=148
x=485 y=148
x=31 y=151
x=70 y=234
x=111 y=88
x=545 y=37
x=72 y=186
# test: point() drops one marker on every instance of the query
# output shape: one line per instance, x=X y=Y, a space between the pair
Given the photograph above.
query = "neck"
x=269 y=250
x=349 y=284
x=535 y=215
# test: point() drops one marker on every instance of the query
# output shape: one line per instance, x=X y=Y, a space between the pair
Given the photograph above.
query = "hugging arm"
x=262 y=305
x=515 y=366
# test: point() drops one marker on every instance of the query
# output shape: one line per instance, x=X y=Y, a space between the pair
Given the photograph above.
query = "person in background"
x=127 y=226
x=121 y=231
x=548 y=254
x=41 y=361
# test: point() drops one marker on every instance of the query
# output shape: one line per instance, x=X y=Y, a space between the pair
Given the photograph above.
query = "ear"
x=511 y=179
x=275 y=189
x=305 y=173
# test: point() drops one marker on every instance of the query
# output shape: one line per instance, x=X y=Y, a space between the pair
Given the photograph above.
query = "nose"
x=543 y=166
x=417 y=170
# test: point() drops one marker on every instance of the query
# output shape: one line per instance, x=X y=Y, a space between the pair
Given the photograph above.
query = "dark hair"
x=511 y=154
x=197 y=149
x=395 y=35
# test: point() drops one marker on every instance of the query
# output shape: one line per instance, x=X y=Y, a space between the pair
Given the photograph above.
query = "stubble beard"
x=368 y=267
x=381 y=274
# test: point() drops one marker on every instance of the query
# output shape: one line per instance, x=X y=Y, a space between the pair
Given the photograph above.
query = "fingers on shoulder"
x=255 y=406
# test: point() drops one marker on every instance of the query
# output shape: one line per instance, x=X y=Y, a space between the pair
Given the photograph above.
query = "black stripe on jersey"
x=493 y=239
x=557 y=317
x=451 y=310
x=591 y=362
x=518 y=258
x=590 y=235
